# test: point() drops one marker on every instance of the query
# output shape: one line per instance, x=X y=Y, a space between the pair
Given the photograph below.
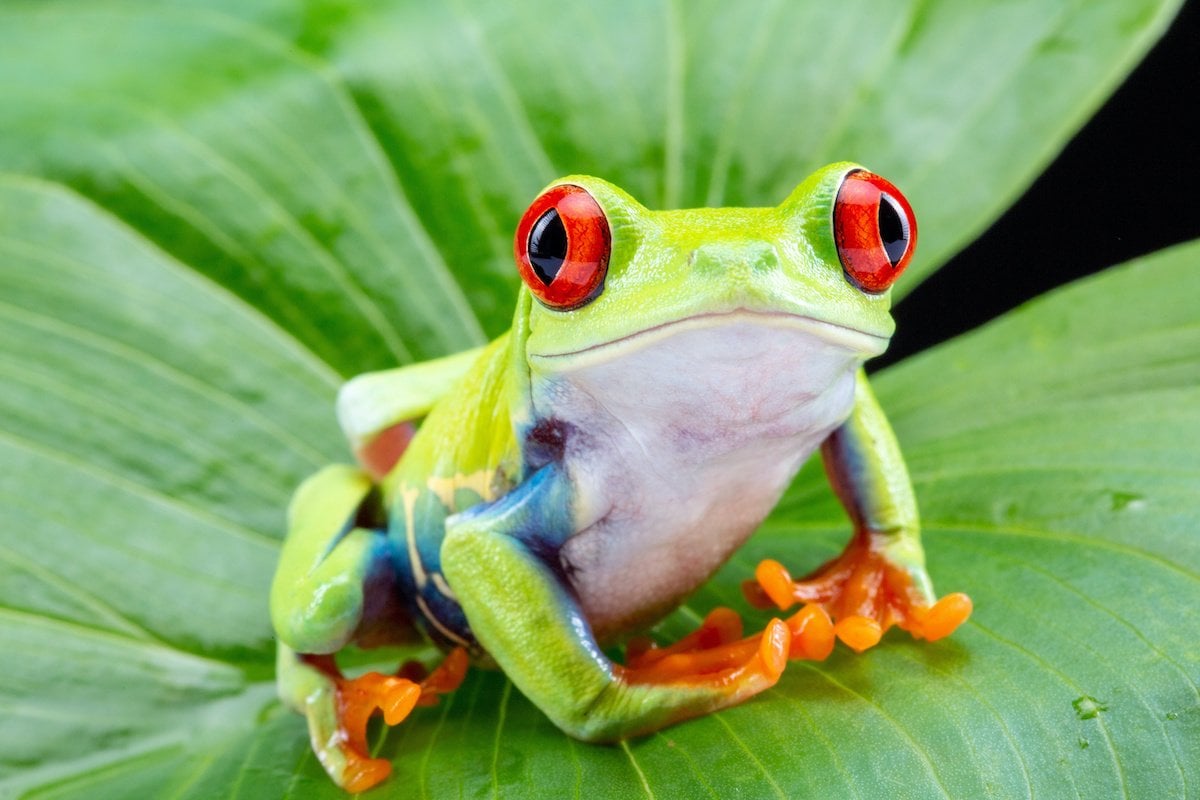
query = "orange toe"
x=361 y=774
x=773 y=649
x=721 y=626
x=944 y=616
x=399 y=702
x=775 y=582
x=446 y=677
x=812 y=633
x=859 y=633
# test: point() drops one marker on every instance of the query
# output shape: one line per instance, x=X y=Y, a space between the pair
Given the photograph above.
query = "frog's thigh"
x=317 y=594
x=533 y=627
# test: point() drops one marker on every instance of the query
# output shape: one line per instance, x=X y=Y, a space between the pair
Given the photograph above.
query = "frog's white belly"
x=680 y=445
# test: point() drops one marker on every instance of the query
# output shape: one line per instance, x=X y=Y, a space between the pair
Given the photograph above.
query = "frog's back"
x=467 y=440
x=464 y=453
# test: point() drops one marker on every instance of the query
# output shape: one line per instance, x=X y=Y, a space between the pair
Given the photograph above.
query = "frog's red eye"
x=562 y=247
x=875 y=230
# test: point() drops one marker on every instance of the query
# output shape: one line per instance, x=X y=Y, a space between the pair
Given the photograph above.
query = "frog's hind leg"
x=336 y=585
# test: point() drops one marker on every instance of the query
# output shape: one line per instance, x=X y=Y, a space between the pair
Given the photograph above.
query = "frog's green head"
x=599 y=268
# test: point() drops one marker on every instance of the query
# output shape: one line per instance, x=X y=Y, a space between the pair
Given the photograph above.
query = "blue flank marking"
x=429 y=516
x=536 y=513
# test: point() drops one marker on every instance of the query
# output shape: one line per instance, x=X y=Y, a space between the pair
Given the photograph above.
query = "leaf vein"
x=77 y=628
x=637 y=768
x=847 y=779
x=1066 y=679
x=501 y=715
x=697 y=772
x=750 y=754
x=157 y=366
x=76 y=591
x=139 y=490
x=334 y=268
x=220 y=293
x=953 y=527
x=439 y=273
x=900 y=729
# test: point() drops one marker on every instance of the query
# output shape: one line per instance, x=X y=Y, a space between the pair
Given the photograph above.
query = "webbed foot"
x=714 y=656
x=865 y=592
x=344 y=751
x=717 y=653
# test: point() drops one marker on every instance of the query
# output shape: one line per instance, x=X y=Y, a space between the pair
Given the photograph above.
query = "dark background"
x=1127 y=185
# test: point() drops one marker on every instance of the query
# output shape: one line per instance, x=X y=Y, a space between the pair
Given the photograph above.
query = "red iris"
x=562 y=247
x=875 y=230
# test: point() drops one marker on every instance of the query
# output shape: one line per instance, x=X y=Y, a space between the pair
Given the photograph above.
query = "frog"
x=539 y=503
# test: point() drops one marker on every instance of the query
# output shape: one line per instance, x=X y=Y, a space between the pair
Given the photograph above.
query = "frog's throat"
x=851 y=339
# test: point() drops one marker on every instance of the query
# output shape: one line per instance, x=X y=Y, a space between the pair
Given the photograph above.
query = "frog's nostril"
x=764 y=258
x=706 y=260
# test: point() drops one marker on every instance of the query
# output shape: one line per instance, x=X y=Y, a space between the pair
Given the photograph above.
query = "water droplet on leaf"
x=1127 y=501
x=1087 y=707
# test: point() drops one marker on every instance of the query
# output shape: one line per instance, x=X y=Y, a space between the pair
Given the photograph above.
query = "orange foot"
x=394 y=696
x=714 y=656
x=864 y=592
x=717 y=654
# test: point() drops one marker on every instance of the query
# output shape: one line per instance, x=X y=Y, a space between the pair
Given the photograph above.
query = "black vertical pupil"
x=547 y=246
x=893 y=228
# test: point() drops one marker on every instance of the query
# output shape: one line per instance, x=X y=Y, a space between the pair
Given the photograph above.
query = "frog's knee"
x=317 y=616
x=317 y=593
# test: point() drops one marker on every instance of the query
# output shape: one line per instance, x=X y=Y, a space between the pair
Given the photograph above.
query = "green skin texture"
x=465 y=478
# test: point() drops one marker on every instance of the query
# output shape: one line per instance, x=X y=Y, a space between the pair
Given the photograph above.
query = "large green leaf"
x=213 y=215
x=332 y=162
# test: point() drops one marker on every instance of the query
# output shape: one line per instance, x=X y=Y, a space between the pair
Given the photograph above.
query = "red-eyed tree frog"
x=666 y=375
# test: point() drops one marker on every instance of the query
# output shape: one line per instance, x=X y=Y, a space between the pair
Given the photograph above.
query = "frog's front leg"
x=501 y=559
x=880 y=578
x=335 y=586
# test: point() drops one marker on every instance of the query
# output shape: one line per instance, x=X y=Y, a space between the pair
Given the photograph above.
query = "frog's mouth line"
x=851 y=339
